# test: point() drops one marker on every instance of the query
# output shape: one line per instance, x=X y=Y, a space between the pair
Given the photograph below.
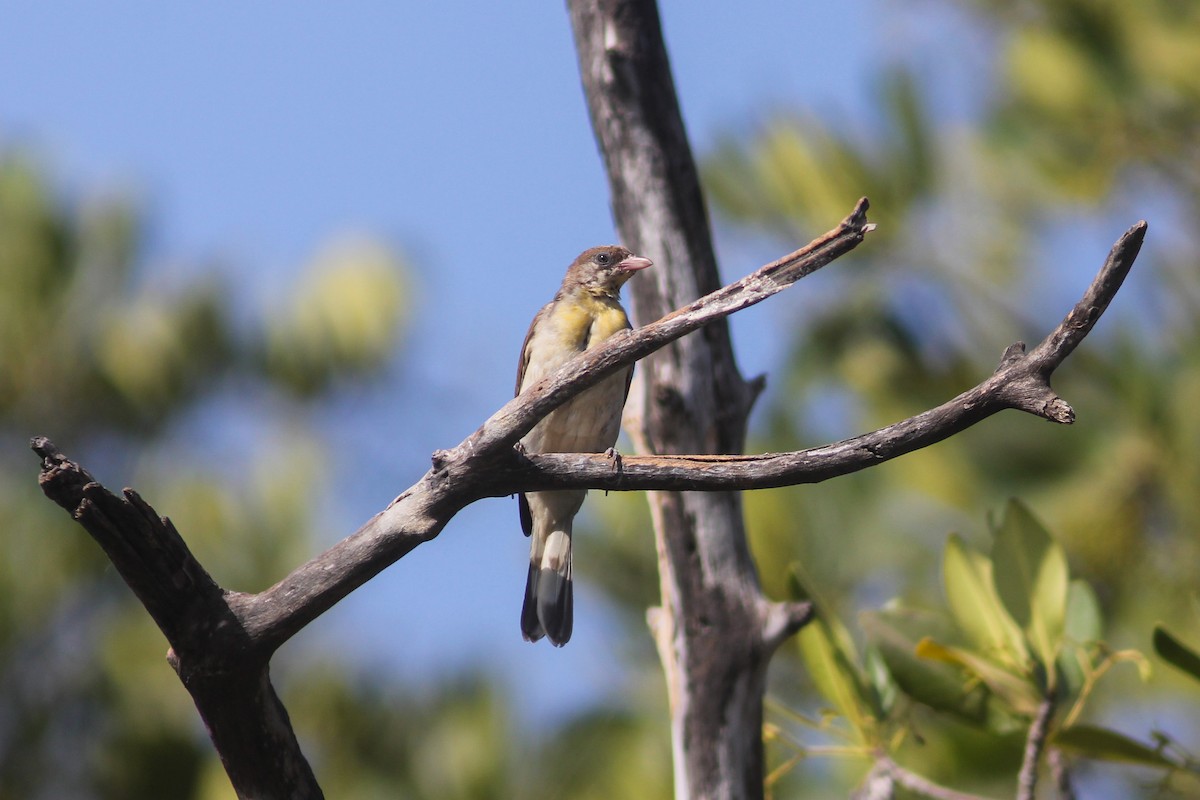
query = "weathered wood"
x=691 y=398
x=221 y=665
x=715 y=631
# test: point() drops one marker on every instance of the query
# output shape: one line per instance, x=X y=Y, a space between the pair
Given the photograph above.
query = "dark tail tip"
x=555 y=606
x=531 y=626
x=549 y=607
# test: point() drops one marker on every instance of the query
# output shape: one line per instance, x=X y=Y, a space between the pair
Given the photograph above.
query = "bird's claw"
x=615 y=457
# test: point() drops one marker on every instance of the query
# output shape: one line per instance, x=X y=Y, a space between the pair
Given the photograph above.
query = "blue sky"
x=256 y=132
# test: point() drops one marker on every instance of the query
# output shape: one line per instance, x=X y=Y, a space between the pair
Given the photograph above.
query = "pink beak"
x=634 y=263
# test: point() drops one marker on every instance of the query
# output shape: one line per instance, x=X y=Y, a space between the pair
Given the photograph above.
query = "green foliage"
x=1029 y=572
x=833 y=665
x=73 y=328
x=107 y=363
x=1099 y=86
x=1092 y=116
x=976 y=606
x=1107 y=745
x=460 y=740
x=1022 y=634
x=312 y=339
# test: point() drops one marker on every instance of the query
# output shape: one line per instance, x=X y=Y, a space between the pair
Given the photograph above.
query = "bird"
x=585 y=311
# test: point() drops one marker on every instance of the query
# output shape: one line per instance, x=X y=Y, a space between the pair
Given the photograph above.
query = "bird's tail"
x=549 y=607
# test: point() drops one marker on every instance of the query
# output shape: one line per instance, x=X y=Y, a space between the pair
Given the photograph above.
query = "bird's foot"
x=615 y=457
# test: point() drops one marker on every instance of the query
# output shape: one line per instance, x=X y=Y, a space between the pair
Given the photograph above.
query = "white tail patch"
x=556 y=554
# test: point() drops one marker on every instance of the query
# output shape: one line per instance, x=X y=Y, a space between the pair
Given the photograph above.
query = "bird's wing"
x=628 y=375
x=525 y=514
x=524 y=362
x=522 y=501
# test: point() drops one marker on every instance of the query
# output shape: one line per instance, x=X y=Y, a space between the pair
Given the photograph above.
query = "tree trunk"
x=715 y=631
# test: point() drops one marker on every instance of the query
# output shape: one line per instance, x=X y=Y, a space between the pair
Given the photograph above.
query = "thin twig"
x=486 y=463
x=520 y=414
x=1061 y=772
x=1035 y=743
x=222 y=640
x=922 y=786
x=1022 y=381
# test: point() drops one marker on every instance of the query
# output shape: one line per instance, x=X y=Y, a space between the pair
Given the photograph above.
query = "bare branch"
x=915 y=783
x=485 y=464
x=782 y=620
x=420 y=513
x=224 y=672
x=1061 y=772
x=222 y=641
x=145 y=548
x=515 y=419
x=1022 y=381
x=1035 y=744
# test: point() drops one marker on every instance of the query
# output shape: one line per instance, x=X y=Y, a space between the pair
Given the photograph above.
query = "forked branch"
x=222 y=640
x=1021 y=381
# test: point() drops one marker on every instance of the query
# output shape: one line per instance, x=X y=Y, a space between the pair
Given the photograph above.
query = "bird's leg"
x=613 y=455
x=519 y=449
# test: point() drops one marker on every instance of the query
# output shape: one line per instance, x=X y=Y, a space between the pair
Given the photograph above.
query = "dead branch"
x=1035 y=745
x=1021 y=381
x=222 y=641
x=486 y=464
x=217 y=661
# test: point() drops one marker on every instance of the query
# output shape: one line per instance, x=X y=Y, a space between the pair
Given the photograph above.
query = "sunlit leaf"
x=1082 y=627
x=976 y=607
x=835 y=677
x=1030 y=574
x=1084 y=622
x=1108 y=745
x=829 y=654
x=1018 y=692
x=894 y=634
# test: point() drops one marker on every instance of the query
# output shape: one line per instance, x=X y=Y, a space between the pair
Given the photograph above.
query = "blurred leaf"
x=894 y=634
x=880 y=680
x=1030 y=571
x=342 y=318
x=836 y=678
x=828 y=651
x=1020 y=695
x=800 y=589
x=1084 y=622
x=1107 y=745
x=977 y=609
x=1083 y=627
x=1175 y=652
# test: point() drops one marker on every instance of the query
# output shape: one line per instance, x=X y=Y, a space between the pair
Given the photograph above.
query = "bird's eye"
x=603 y=258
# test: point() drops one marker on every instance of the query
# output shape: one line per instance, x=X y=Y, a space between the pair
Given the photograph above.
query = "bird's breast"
x=591 y=421
x=586 y=321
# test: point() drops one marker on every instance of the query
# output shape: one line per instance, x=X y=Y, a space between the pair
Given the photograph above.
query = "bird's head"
x=605 y=269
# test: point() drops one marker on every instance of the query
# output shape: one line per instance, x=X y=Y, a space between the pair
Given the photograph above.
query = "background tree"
x=1128 y=480
x=1088 y=118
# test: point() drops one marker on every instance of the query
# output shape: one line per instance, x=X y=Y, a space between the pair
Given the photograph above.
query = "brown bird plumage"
x=586 y=310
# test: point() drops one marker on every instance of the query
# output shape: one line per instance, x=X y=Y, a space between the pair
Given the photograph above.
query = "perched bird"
x=586 y=310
